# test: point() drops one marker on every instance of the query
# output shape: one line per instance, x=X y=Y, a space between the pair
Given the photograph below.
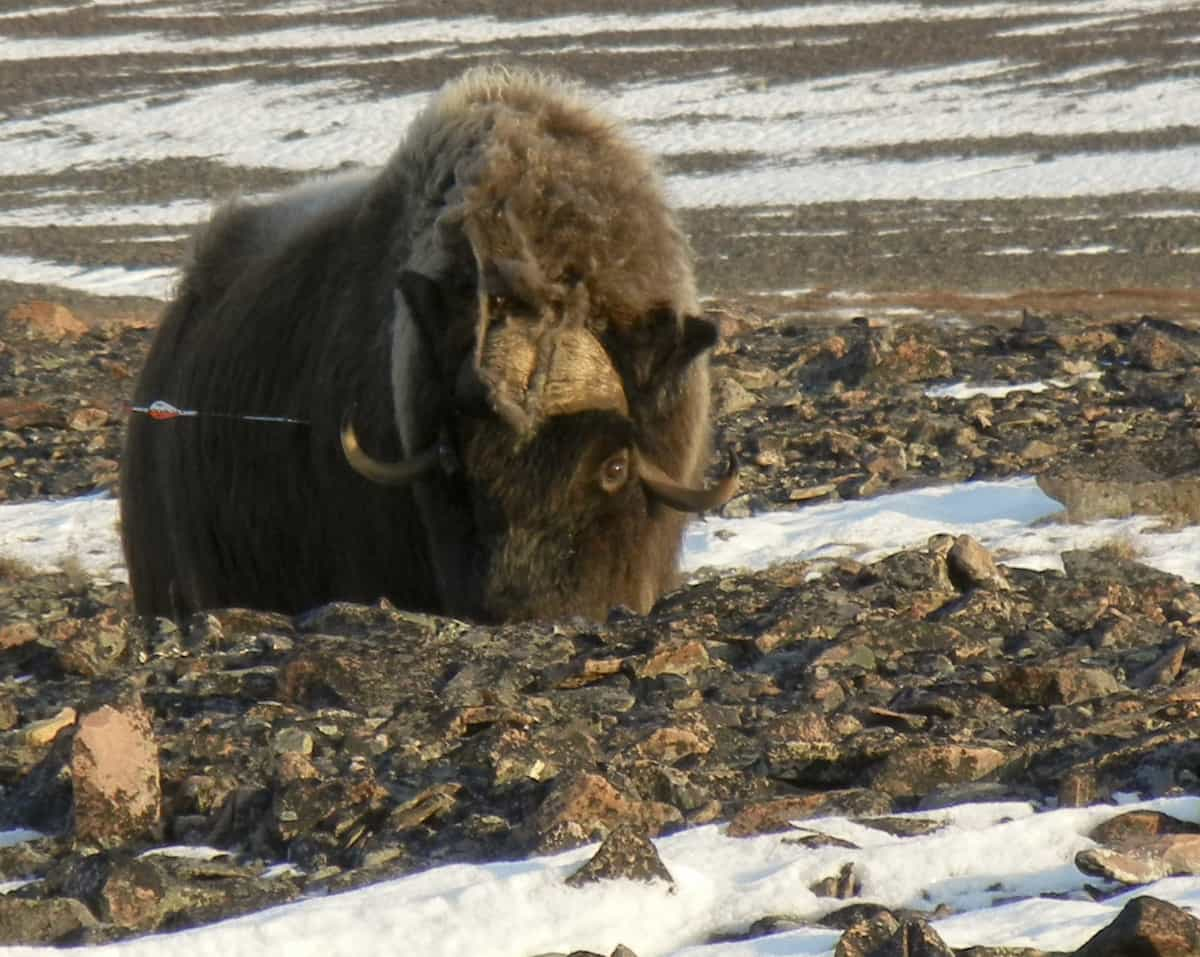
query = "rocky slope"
x=359 y=742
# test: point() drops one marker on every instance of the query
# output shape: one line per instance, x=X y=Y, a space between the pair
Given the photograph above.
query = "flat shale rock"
x=1118 y=486
x=1039 y=685
x=921 y=769
x=1143 y=860
x=779 y=815
x=124 y=895
x=588 y=806
x=44 y=732
x=1135 y=826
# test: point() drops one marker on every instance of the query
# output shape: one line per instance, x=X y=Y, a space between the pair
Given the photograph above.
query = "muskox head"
x=549 y=368
x=573 y=502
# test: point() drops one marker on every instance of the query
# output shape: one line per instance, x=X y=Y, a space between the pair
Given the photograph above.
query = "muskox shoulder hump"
x=290 y=212
x=244 y=231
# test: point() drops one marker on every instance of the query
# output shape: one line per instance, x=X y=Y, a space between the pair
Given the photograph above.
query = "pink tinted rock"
x=587 y=806
x=38 y=319
x=115 y=775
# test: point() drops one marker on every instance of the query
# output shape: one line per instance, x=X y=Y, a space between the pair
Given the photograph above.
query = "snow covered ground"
x=1008 y=517
x=989 y=862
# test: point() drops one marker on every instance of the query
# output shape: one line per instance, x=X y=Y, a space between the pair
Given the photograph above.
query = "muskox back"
x=509 y=289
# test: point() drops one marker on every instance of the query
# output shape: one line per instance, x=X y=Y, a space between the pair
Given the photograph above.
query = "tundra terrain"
x=882 y=198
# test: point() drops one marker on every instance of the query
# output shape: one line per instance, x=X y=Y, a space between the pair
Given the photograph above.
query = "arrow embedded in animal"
x=162 y=411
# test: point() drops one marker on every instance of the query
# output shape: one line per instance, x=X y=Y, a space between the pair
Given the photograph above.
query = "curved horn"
x=683 y=497
x=386 y=473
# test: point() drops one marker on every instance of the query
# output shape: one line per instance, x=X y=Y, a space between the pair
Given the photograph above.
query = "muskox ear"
x=662 y=347
x=699 y=335
x=676 y=343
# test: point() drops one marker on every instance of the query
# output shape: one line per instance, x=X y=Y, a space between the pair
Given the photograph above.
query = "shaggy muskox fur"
x=506 y=310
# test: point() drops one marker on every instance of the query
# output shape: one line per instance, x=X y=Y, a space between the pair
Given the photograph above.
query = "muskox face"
x=568 y=460
x=562 y=517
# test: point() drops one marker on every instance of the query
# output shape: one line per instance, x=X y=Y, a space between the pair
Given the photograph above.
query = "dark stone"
x=1160 y=344
x=916 y=938
x=903 y=826
x=626 y=854
x=776 y=816
x=921 y=769
x=1146 y=927
x=773 y=924
x=92 y=647
x=865 y=936
x=1035 y=685
x=40 y=798
x=134 y=895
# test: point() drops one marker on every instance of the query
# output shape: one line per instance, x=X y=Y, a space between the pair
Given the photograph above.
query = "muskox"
x=473 y=382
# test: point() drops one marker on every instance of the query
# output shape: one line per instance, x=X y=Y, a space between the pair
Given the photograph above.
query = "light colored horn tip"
x=385 y=473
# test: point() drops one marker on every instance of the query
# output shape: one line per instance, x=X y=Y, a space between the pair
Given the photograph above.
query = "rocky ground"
x=356 y=743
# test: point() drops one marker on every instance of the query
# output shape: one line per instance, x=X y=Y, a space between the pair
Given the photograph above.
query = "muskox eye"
x=614 y=473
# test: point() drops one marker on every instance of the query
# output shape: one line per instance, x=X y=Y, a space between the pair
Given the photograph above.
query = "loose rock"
x=114 y=770
x=1149 y=926
x=57 y=921
x=1144 y=861
x=626 y=854
x=588 y=806
x=44 y=320
x=360 y=741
